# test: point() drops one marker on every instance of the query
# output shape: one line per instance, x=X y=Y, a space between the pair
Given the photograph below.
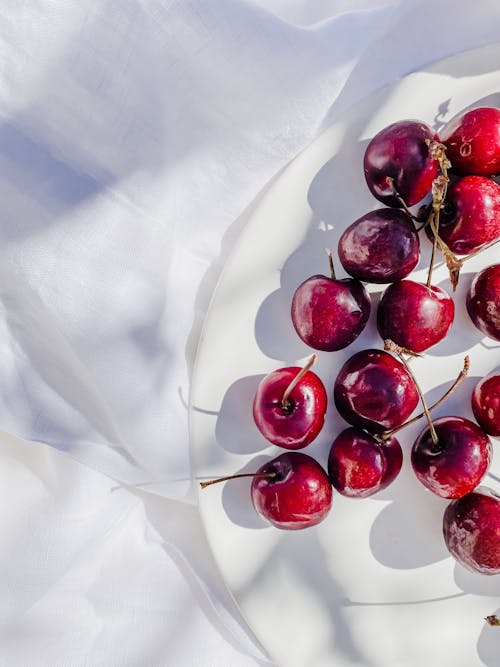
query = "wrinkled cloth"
x=134 y=137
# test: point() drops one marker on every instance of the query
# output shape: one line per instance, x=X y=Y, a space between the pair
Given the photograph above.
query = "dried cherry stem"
x=285 y=403
x=391 y=346
x=439 y=187
x=460 y=377
x=269 y=475
x=492 y=620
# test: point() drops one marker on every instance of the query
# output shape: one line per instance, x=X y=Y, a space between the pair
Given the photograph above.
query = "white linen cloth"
x=134 y=135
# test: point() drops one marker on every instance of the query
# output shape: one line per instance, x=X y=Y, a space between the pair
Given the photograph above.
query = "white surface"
x=376 y=567
x=133 y=137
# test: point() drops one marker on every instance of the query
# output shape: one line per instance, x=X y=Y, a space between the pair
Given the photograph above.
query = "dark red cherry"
x=293 y=421
x=472 y=141
x=373 y=390
x=380 y=247
x=292 y=491
x=329 y=314
x=454 y=465
x=471 y=215
x=359 y=465
x=483 y=301
x=397 y=160
x=485 y=402
x=415 y=316
x=471 y=530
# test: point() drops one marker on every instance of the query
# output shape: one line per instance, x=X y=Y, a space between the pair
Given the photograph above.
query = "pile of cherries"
x=446 y=187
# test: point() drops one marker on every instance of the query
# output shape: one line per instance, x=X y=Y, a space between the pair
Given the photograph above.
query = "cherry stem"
x=461 y=376
x=492 y=620
x=400 y=199
x=439 y=187
x=330 y=263
x=269 y=475
x=391 y=346
x=286 y=394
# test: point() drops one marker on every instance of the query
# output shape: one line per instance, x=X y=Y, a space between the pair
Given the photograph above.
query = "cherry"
x=289 y=406
x=292 y=491
x=471 y=530
x=485 y=402
x=373 y=390
x=470 y=218
x=359 y=465
x=380 y=247
x=414 y=315
x=329 y=314
x=451 y=458
x=483 y=301
x=472 y=141
x=398 y=165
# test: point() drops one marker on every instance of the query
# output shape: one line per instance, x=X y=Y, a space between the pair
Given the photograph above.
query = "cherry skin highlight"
x=485 y=401
x=415 y=316
x=359 y=465
x=380 y=247
x=456 y=464
x=329 y=314
x=397 y=161
x=471 y=531
x=297 y=495
x=483 y=301
x=472 y=141
x=374 y=391
x=470 y=217
x=295 y=423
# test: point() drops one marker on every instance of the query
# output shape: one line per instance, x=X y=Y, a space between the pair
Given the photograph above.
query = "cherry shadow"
x=488 y=643
x=236 y=498
x=235 y=429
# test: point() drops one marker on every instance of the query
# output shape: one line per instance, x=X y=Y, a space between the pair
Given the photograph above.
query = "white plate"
x=373 y=584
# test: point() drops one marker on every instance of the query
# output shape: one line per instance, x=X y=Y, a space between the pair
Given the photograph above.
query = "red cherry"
x=485 y=402
x=290 y=419
x=456 y=463
x=359 y=465
x=397 y=162
x=471 y=215
x=373 y=390
x=415 y=316
x=472 y=141
x=292 y=491
x=471 y=530
x=329 y=314
x=380 y=247
x=483 y=301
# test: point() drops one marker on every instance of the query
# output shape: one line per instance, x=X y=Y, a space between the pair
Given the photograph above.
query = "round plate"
x=372 y=584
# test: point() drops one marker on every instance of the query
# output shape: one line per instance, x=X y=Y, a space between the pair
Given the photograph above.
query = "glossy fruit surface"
x=299 y=494
x=471 y=214
x=472 y=141
x=456 y=465
x=471 y=530
x=397 y=158
x=415 y=316
x=329 y=314
x=483 y=301
x=373 y=390
x=380 y=247
x=359 y=465
x=485 y=402
x=295 y=423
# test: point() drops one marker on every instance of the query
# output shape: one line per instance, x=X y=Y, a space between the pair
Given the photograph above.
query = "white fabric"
x=134 y=134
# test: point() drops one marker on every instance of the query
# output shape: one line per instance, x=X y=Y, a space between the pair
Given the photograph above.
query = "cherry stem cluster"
x=439 y=188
